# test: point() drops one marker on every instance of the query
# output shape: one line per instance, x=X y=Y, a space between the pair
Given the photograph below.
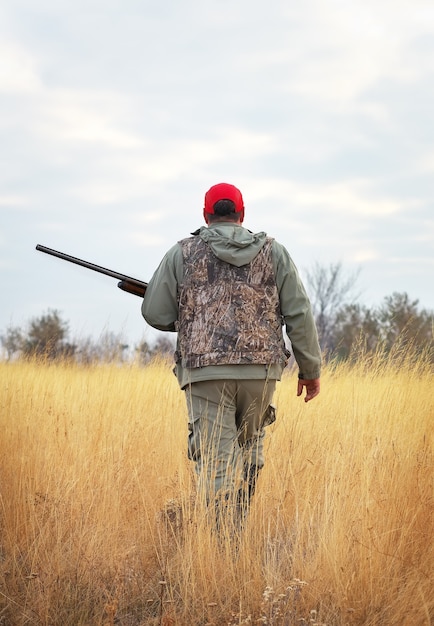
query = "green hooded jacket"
x=236 y=245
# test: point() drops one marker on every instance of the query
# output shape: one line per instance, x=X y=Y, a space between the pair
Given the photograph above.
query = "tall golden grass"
x=99 y=524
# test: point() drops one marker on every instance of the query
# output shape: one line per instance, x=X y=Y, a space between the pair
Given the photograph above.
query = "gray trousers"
x=226 y=431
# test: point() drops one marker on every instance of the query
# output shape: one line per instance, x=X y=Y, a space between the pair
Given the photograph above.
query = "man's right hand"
x=312 y=388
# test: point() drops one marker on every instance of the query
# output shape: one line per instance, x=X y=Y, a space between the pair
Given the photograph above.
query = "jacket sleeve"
x=160 y=304
x=297 y=314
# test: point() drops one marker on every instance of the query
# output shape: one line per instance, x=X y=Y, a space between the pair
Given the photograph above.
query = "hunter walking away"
x=228 y=293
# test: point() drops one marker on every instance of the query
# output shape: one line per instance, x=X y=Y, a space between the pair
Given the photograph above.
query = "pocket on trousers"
x=269 y=415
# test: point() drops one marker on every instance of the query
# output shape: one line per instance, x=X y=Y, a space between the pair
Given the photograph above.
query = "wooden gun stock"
x=134 y=288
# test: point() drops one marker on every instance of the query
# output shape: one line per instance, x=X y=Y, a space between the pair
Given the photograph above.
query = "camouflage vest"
x=228 y=315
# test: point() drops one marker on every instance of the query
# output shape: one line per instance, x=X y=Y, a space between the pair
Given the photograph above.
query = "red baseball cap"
x=223 y=191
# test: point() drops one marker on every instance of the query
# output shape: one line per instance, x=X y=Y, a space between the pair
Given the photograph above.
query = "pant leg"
x=213 y=436
x=254 y=413
x=254 y=399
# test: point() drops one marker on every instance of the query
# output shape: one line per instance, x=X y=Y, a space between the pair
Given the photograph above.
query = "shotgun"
x=126 y=283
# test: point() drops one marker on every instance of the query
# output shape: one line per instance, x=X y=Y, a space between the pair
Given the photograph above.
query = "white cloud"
x=18 y=69
x=346 y=198
x=363 y=255
x=147 y=241
x=85 y=116
x=13 y=200
x=150 y=217
x=426 y=163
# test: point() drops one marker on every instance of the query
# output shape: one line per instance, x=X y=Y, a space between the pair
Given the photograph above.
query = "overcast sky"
x=117 y=116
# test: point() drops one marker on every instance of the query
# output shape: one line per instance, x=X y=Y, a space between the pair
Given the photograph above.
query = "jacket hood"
x=232 y=243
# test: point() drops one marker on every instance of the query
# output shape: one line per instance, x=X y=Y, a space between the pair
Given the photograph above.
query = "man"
x=228 y=292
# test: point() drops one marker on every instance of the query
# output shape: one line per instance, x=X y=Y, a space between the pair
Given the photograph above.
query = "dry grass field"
x=99 y=524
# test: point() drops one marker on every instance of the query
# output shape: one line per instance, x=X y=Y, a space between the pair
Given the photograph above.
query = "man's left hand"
x=312 y=388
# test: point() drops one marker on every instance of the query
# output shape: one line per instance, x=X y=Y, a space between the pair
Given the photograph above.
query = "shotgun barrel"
x=126 y=283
